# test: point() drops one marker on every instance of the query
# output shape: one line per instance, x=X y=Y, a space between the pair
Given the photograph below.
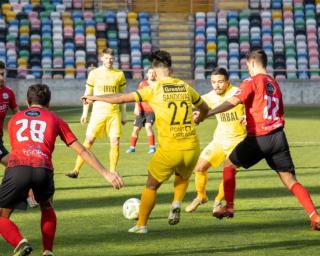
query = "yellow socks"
x=148 y=200
x=113 y=157
x=220 y=195
x=180 y=188
x=201 y=180
x=80 y=161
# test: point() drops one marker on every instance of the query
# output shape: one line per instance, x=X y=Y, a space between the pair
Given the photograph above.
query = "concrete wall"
x=68 y=92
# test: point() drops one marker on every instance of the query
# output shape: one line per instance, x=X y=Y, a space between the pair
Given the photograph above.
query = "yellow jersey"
x=172 y=100
x=102 y=81
x=229 y=126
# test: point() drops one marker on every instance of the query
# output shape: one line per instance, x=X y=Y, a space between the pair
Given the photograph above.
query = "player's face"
x=219 y=84
x=107 y=60
x=2 y=76
x=151 y=74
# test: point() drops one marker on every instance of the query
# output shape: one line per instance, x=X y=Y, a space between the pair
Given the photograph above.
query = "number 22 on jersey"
x=31 y=130
x=272 y=108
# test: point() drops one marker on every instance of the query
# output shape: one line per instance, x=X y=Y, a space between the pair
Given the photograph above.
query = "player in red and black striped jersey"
x=32 y=135
x=7 y=100
x=262 y=98
x=145 y=117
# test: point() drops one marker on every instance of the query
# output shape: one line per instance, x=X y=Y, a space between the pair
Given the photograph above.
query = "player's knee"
x=5 y=213
x=46 y=204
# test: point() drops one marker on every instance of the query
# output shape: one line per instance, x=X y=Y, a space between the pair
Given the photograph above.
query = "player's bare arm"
x=114 y=178
x=224 y=106
x=118 y=98
x=202 y=113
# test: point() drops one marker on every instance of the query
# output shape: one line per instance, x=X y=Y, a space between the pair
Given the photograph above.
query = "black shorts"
x=143 y=118
x=273 y=148
x=17 y=182
x=3 y=150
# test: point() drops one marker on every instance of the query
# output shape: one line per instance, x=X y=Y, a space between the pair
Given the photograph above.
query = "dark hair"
x=39 y=94
x=2 y=65
x=220 y=71
x=160 y=59
x=108 y=51
x=259 y=56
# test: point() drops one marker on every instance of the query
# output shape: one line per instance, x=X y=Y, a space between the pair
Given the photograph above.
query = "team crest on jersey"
x=32 y=113
x=270 y=88
x=5 y=95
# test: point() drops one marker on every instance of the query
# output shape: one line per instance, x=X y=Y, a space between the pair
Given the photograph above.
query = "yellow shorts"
x=101 y=125
x=164 y=163
x=216 y=152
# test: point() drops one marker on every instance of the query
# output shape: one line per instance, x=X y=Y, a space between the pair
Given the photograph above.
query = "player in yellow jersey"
x=105 y=118
x=178 y=151
x=229 y=132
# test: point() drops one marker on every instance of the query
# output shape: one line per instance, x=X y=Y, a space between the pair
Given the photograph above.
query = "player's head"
x=161 y=63
x=107 y=58
x=256 y=61
x=39 y=94
x=2 y=73
x=151 y=75
x=220 y=80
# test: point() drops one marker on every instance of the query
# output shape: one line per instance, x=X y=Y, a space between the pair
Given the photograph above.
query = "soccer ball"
x=130 y=208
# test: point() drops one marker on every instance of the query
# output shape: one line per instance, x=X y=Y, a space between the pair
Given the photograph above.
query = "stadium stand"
x=63 y=38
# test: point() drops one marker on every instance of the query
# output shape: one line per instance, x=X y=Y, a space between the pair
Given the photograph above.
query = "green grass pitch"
x=268 y=220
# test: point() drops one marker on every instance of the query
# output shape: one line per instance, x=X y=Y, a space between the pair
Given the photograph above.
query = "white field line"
x=292 y=143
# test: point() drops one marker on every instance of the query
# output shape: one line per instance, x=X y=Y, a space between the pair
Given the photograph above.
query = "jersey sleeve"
x=195 y=96
x=65 y=132
x=143 y=95
x=245 y=91
x=13 y=103
x=122 y=83
x=90 y=79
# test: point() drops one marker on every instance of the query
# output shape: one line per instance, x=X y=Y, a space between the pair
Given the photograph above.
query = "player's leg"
x=187 y=160
x=43 y=187
x=114 y=129
x=48 y=225
x=138 y=124
x=246 y=154
x=88 y=143
x=147 y=203
x=281 y=161
x=114 y=153
x=13 y=194
x=160 y=169
x=212 y=155
x=201 y=180
x=303 y=196
x=150 y=118
x=134 y=139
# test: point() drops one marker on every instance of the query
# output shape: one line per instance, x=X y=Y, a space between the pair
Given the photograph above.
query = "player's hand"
x=83 y=119
x=115 y=179
x=86 y=100
x=196 y=117
x=243 y=120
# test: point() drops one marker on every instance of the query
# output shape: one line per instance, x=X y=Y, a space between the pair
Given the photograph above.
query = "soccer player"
x=105 y=118
x=32 y=134
x=229 y=132
x=144 y=117
x=262 y=98
x=178 y=150
x=8 y=100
